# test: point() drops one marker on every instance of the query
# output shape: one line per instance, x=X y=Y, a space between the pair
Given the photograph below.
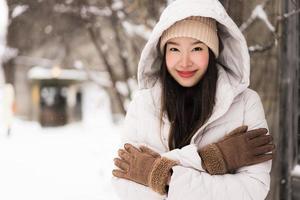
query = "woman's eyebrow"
x=194 y=43
x=173 y=43
x=197 y=42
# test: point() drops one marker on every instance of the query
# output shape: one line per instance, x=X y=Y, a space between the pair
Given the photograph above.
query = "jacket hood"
x=234 y=57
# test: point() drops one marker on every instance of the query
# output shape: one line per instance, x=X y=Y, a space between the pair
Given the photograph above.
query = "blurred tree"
x=116 y=29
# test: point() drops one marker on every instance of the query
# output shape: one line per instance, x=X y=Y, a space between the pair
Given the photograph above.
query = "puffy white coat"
x=236 y=105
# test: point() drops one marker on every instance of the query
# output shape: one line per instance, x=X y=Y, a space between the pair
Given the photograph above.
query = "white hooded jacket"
x=236 y=105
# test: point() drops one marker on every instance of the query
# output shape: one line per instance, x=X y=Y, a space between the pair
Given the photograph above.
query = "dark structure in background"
x=53 y=105
x=275 y=76
x=56 y=95
x=289 y=138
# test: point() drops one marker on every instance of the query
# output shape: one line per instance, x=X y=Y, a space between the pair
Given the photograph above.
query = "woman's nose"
x=186 y=60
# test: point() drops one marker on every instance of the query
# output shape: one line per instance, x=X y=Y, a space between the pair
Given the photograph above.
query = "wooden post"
x=288 y=101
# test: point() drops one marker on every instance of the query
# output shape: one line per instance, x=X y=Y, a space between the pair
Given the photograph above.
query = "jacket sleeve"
x=187 y=157
x=125 y=189
x=249 y=183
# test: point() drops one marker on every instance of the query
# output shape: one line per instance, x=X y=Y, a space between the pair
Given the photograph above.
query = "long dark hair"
x=187 y=108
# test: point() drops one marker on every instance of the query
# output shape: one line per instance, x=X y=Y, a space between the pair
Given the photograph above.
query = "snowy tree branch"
x=85 y=11
x=133 y=29
x=259 y=13
x=19 y=10
x=260 y=48
x=289 y=14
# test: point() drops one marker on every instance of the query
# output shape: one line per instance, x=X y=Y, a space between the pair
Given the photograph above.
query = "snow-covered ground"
x=73 y=162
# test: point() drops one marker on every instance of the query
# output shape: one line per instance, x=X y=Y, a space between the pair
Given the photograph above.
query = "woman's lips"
x=186 y=74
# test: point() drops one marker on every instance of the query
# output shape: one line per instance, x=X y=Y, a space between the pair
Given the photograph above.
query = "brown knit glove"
x=237 y=149
x=144 y=166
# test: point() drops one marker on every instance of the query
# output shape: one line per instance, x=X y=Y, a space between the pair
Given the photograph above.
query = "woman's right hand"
x=237 y=149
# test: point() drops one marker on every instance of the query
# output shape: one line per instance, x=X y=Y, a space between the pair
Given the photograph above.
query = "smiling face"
x=187 y=60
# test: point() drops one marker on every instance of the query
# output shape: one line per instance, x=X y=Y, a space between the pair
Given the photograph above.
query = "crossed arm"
x=192 y=176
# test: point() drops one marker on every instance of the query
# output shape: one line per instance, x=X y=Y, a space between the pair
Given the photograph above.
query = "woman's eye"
x=174 y=49
x=197 y=49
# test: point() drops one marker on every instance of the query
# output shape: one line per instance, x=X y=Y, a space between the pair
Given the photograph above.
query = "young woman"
x=194 y=130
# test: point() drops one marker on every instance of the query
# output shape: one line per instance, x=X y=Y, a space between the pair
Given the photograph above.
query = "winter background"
x=100 y=42
x=73 y=162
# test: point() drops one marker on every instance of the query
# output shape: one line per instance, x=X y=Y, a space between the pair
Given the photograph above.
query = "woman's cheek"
x=202 y=61
x=171 y=61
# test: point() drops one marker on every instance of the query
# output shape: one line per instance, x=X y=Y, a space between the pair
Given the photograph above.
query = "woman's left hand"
x=135 y=164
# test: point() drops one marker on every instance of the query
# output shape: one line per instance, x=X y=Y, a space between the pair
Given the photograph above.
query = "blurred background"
x=68 y=71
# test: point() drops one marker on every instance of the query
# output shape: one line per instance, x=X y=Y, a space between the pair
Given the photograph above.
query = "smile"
x=186 y=74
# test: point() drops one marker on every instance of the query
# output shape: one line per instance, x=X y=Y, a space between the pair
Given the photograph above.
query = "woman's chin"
x=187 y=83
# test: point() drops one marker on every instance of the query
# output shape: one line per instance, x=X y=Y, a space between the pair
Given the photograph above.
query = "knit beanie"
x=203 y=29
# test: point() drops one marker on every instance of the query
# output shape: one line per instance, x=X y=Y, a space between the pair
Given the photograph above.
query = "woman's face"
x=186 y=60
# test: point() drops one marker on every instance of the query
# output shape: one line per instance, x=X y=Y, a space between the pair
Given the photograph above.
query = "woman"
x=194 y=130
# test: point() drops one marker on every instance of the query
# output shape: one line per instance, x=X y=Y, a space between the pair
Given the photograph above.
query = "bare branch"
x=115 y=24
x=259 y=12
x=108 y=66
x=259 y=48
x=84 y=11
x=289 y=14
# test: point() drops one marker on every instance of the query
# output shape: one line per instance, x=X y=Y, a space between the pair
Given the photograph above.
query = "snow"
x=293 y=12
x=72 y=162
x=261 y=14
x=258 y=12
x=78 y=64
x=96 y=106
x=9 y=53
x=18 y=10
x=133 y=85
x=122 y=88
x=84 y=10
x=48 y=29
x=100 y=12
x=69 y=1
x=49 y=73
x=101 y=78
x=296 y=171
x=117 y=5
x=140 y=30
x=6 y=105
x=169 y=1
x=255 y=47
x=121 y=15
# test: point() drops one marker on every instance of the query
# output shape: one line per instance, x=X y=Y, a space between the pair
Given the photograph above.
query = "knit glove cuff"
x=213 y=160
x=159 y=175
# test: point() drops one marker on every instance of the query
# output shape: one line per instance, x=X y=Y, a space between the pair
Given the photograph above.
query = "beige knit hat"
x=203 y=29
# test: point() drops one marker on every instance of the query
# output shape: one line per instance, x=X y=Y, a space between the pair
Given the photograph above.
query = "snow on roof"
x=42 y=73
